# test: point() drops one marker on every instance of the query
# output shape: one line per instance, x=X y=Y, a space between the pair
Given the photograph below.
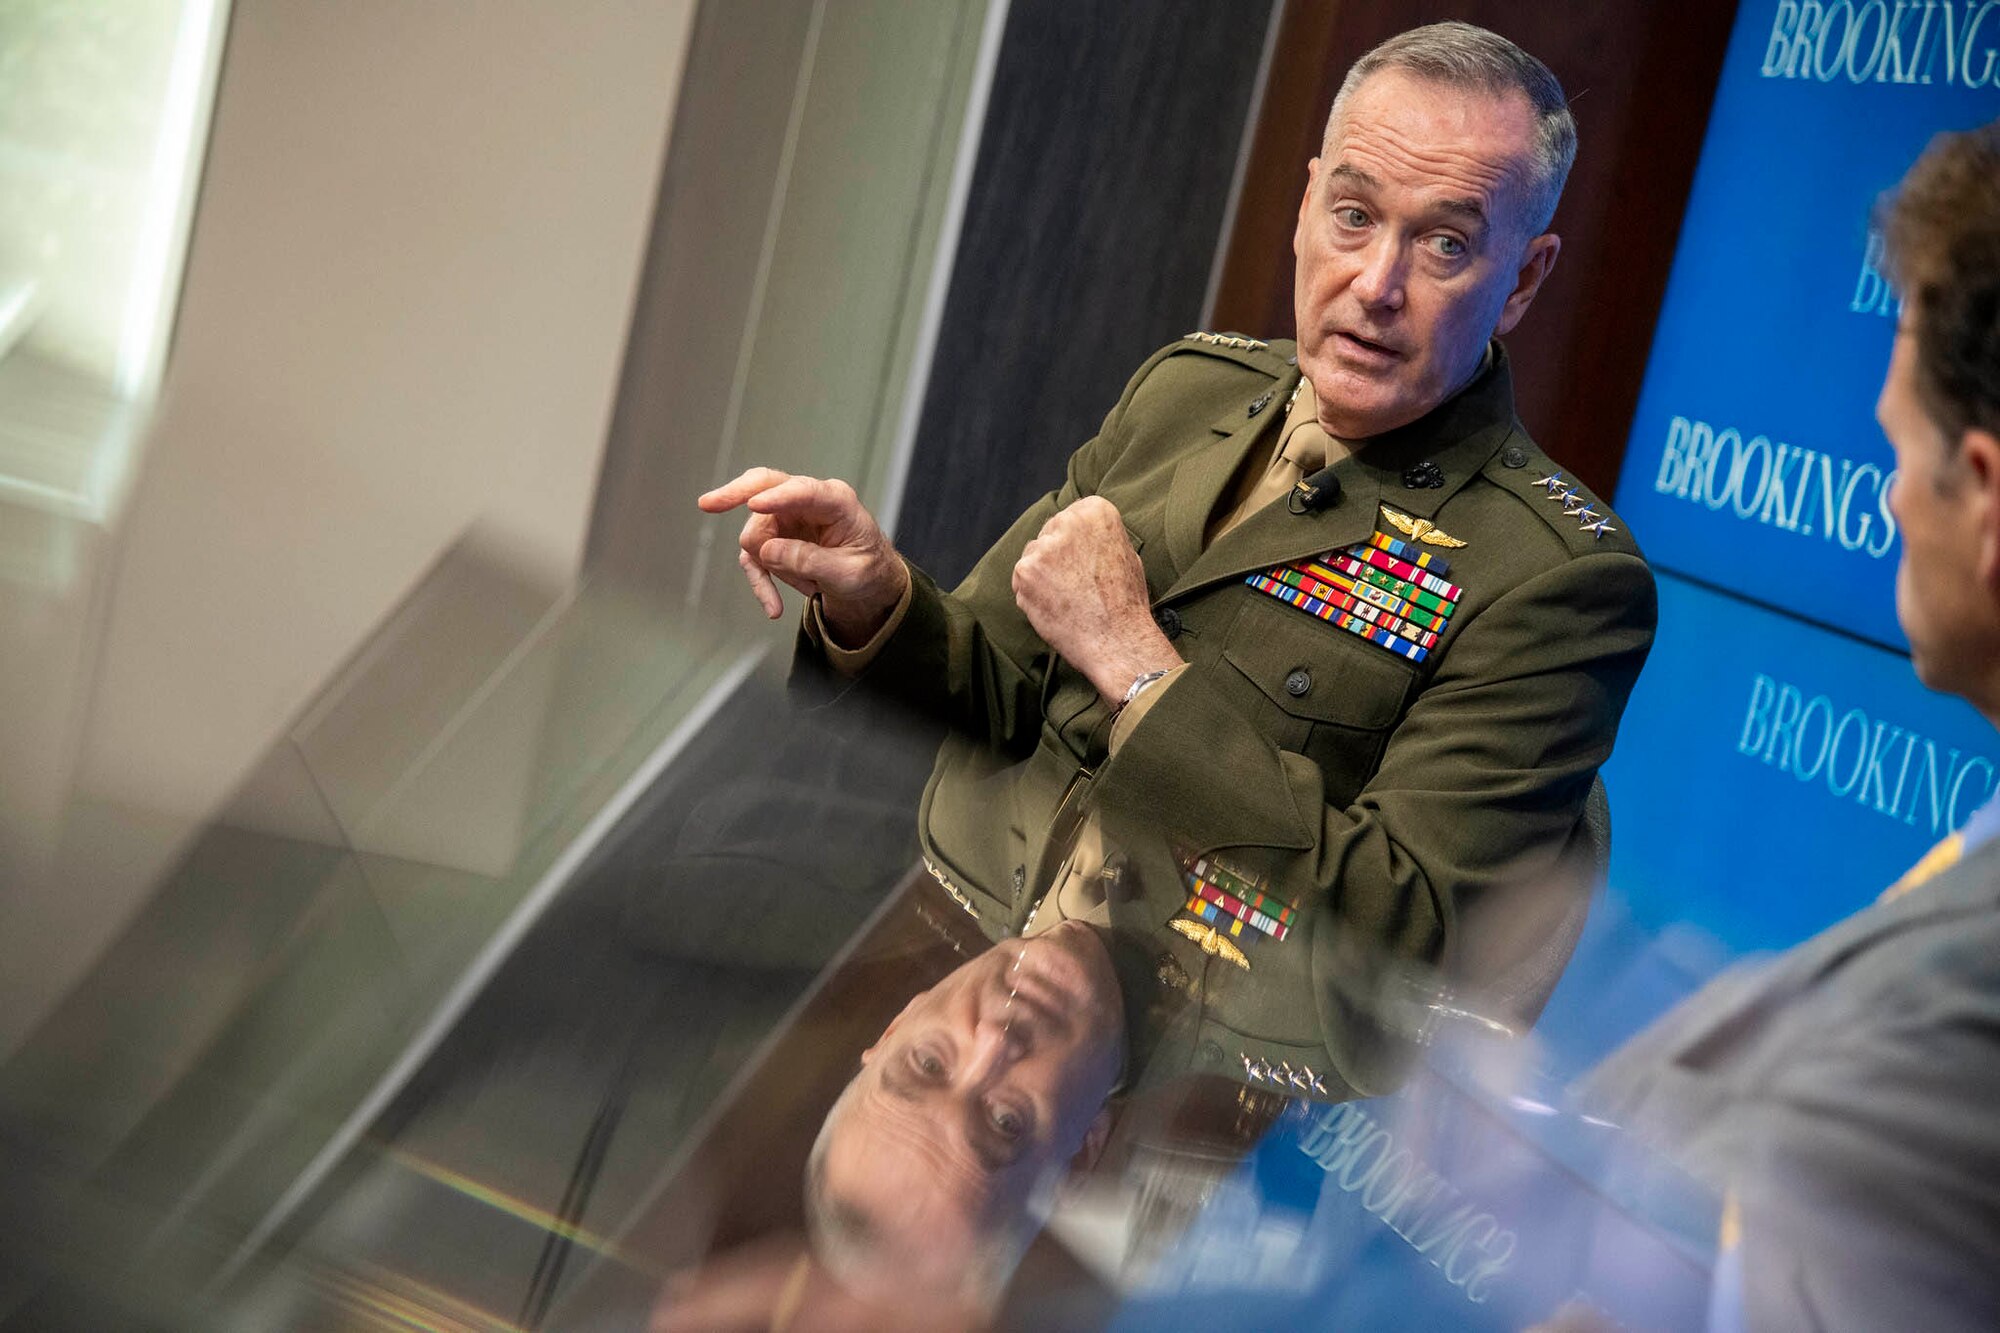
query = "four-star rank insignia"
x=1228 y=340
x=1575 y=506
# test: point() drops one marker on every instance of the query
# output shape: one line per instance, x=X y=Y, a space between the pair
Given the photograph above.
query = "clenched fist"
x=815 y=536
x=1082 y=587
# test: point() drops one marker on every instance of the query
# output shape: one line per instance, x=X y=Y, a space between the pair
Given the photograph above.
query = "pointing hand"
x=815 y=536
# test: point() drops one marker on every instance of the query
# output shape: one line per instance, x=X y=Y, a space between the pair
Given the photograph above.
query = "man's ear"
x=1537 y=261
x=1094 y=1139
x=1305 y=207
x=1979 y=457
x=869 y=1054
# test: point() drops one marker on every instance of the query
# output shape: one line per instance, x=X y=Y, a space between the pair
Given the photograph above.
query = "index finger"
x=809 y=498
x=733 y=493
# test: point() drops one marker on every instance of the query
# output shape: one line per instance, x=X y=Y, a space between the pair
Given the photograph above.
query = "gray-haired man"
x=1330 y=726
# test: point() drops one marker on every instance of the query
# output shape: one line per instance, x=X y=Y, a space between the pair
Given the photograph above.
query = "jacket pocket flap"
x=1315 y=670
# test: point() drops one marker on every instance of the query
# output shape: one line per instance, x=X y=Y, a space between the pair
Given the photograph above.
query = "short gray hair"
x=1459 y=55
x=840 y=1235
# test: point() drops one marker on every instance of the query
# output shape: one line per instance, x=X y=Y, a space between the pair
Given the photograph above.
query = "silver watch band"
x=1139 y=683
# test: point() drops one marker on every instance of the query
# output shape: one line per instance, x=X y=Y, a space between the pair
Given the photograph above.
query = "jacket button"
x=1169 y=621
x=1514 y=456
x=1298 y=683
x=1210 y=1055
x=1263 y=400
x=1020 y=879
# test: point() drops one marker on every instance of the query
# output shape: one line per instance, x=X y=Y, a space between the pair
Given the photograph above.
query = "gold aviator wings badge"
x=1420 y=529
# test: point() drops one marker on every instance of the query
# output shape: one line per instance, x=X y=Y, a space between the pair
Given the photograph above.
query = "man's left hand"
x=1082 y=587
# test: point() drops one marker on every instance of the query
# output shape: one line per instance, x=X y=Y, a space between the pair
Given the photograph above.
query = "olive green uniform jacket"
x=1386 y=798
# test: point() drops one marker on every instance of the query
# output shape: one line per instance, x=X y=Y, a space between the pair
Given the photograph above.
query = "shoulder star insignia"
x=1228 y=340
x=1598 y=529
x=1551 y=483
x=1420 y=529
x=1212 y=942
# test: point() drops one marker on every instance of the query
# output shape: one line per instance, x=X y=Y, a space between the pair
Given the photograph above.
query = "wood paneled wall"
x=1640 y=76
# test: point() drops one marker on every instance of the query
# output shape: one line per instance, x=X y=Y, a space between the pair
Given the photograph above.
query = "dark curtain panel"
x=1095 y=214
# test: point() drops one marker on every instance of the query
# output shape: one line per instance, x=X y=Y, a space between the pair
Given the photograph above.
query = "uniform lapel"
x=1459 y=436
x=1203 y=476
x=1276 y=536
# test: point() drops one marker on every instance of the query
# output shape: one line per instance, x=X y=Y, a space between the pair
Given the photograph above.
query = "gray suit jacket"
x=1847 y=1093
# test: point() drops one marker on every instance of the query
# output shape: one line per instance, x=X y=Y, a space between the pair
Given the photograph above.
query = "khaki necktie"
x=1302 y=451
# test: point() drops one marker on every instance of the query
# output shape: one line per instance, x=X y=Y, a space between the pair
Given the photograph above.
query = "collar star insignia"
x=1420 y=529
x=1212 y=942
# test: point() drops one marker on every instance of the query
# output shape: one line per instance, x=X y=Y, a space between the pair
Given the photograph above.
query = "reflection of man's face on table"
x=985 y=1087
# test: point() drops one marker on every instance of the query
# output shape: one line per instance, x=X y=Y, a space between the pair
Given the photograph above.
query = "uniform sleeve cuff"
x=853 y=661
x=1130 y=715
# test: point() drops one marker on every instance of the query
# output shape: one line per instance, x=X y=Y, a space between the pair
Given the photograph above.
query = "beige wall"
x=413 y=263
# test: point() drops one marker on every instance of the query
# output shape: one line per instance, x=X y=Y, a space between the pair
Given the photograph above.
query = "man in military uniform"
x=1312 y=638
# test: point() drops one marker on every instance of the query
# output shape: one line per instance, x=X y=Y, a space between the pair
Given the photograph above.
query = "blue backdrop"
x=1778 y=767
x=1754 y=463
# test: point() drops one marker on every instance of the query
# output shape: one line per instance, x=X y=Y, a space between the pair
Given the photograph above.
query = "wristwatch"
x=1138 y=684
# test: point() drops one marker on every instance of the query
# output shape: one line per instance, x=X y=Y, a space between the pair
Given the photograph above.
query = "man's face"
x=1938 y=592
x=1411 y=248
x=979 y=1088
